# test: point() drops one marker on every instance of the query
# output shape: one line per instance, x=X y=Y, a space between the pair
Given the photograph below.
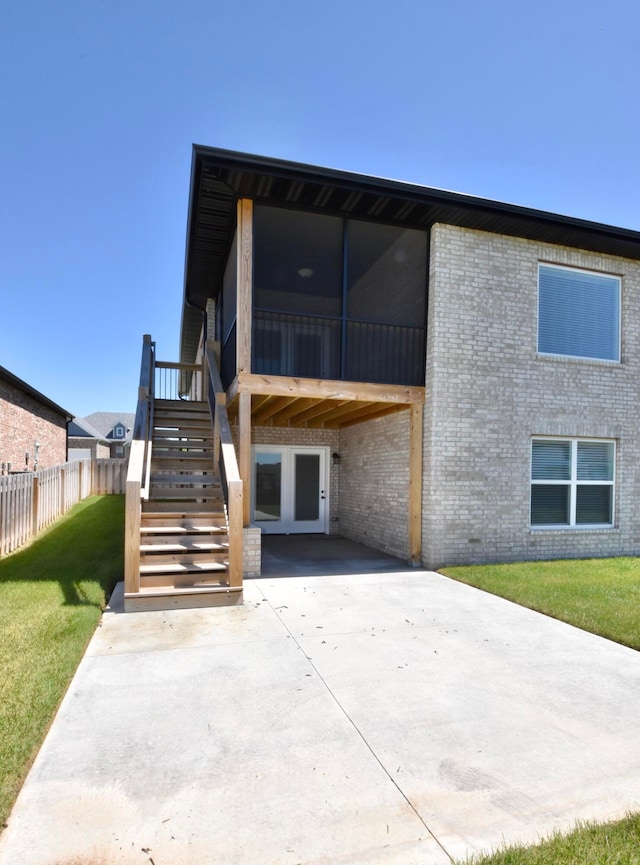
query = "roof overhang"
x=220 y=177
x=21 y=385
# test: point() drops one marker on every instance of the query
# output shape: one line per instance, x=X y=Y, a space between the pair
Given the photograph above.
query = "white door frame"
x=287 y=525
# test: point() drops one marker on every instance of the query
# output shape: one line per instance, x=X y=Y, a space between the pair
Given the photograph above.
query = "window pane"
x=387 y=274
x=549 y=505
x=551 y=461
x=297 y=261
x=595 y=461
x=268 y=486
x=578 y=313
x=307 y=494
x=593 y=504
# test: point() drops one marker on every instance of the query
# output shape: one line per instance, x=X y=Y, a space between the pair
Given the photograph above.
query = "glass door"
x=290 y=492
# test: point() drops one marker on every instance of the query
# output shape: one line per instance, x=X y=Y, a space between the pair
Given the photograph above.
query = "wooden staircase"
x=184 y=538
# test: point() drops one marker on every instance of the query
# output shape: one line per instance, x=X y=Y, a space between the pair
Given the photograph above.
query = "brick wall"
x=251 y=552
x=23 y=421
x=374 y=483
x=489 y=392
x=98 y=450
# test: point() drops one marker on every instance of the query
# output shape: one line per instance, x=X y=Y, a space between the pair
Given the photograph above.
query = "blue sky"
x=535 y=103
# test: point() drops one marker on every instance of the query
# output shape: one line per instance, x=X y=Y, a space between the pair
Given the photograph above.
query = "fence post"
x=62 y=489
x=35 y=505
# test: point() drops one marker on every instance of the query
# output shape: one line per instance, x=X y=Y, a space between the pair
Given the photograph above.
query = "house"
x=33 y=428
x=446 y=378
x=85 y=441
x=103 y=434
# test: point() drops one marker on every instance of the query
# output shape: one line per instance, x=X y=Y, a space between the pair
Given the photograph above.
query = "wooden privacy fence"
x=31 y=501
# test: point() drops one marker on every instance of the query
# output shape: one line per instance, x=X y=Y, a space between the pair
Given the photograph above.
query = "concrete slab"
x=362 y=718
x=322 y=555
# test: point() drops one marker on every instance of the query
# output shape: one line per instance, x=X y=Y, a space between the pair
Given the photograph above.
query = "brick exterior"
x=374 y=483
x=98 y=450
x=23 y=421
x=488 y=392
x=251 y=552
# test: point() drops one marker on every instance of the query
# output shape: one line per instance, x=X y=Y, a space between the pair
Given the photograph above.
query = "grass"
x=51 y=597
x=597 y=595
x=610 y=844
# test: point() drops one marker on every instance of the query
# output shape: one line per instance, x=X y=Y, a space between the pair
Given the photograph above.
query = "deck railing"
x=137 y=486
x=178 y=381
x=225 y=457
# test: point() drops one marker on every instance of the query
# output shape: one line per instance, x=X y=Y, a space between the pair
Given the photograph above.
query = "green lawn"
x=598 y=595
x=610 y=844
x=51 y=597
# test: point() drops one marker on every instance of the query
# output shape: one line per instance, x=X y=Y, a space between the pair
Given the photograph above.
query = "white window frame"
x=573 y=483
x=119 y=431
x=614 y=360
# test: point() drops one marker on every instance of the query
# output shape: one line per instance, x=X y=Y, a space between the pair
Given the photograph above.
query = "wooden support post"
x=244 y=428
x=236 y=534
x=415 y=484
x=132 y=518
x=245 y=285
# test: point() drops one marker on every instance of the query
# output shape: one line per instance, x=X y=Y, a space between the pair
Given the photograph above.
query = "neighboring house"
x=33 y=428
x=443 y=377
x=111 y=433
x=85 y=441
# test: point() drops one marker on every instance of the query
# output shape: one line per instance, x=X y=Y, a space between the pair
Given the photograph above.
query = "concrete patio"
x=377 y=717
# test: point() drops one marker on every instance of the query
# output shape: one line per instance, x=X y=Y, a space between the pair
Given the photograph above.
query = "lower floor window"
x=572 y=482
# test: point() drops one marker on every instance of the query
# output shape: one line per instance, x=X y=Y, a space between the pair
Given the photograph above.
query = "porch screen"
x=338 y=298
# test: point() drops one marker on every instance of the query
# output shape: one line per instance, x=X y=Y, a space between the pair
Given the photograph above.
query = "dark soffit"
x=220 y=177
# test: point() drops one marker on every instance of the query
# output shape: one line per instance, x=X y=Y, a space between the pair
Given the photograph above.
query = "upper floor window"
x=118 y=431
x=578 y=313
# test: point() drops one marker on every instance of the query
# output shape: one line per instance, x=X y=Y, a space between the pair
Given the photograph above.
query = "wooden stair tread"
x=198 y=546
x=200 y=479
x=182 y=590
x=187 y=567
x=187 y=508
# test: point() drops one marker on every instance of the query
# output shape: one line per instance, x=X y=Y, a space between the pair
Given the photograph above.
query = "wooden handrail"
x=137 y=484
x=230 y=473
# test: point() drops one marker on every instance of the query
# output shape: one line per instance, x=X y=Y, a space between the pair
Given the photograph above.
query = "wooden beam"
x=245 y=283
x=280 y=385
x=296 y=407
x=320 y=408
x=244 y=424
x=232 y=391
x=272 y=406
x=371 y=412
x=258 y=401
x=345 y=408
x=415 y=484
